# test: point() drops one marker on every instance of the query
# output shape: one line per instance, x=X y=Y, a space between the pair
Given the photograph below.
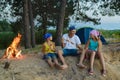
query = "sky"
x=107 y=23
x=110 y=23
x=113 y=19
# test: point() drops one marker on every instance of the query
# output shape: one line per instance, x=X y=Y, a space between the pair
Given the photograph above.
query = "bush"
x=39 y=37
x=114 y=35
x=6 y=39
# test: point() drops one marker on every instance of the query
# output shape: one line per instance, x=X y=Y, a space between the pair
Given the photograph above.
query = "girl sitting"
x=93 y=47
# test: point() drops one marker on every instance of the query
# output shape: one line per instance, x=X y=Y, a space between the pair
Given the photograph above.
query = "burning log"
x=13 y=50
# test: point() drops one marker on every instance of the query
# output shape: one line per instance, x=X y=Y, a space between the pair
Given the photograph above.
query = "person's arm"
x=79 y=47
x=78 y=43
x=43 y=49
x=87 y=44
x=99 y=45
x=63 y=43
x=52 y=46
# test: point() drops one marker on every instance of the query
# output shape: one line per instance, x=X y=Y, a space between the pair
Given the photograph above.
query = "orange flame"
x=13 y=50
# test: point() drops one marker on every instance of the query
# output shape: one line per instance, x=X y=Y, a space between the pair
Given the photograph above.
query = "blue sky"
x=112 y=19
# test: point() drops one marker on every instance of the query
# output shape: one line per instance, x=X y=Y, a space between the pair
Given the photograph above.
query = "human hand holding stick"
x=52 y=47
x=69 y=41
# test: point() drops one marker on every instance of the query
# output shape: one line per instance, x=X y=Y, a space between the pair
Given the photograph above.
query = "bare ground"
x=33 y=67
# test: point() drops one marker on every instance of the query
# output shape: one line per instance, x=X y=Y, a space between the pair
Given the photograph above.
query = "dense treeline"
x=7 y=37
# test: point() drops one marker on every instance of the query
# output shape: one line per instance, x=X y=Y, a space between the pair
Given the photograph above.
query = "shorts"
x=88 y=53
x=50 y=56
x=70 y=52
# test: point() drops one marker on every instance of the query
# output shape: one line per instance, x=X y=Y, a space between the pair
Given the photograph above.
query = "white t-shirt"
x=71 y=43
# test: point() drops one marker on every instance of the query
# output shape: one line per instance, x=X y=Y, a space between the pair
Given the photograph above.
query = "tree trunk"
x=27 y=35
x=44 y=23
x=59 y=29
x=31 y=24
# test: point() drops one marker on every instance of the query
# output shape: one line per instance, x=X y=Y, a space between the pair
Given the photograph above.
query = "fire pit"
x=13 y=50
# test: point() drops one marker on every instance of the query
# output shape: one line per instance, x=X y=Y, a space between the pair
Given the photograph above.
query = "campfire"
x=13 y=51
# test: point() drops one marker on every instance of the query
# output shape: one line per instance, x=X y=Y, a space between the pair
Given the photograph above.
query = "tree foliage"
x=3 y=12
x=78 y=8
x=46 y=12
x=5 y=26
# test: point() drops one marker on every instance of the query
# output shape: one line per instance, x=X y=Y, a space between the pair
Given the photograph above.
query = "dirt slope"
x=32 y=67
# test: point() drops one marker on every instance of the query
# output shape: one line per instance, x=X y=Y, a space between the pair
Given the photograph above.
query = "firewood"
x=7 y=64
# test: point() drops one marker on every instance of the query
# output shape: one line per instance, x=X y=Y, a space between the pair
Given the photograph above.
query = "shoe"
x=90 y=72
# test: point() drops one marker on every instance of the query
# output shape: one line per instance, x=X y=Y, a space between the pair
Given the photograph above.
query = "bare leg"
x=57 y=64
x=62 y=59
x=80 y=64
x=103 y=63
x=51 y=64
x=92 y=57
x=102 y=60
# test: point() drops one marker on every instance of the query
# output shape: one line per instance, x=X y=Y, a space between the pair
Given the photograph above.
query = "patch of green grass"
x=111 y=35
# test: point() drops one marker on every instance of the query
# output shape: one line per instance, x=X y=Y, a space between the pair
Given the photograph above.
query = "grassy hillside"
x=111 y=35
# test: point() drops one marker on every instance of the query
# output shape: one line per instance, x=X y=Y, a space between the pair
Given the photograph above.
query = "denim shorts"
x=50 y=55
x=70 y=52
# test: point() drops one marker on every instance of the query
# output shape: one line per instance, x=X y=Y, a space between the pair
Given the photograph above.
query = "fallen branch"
x=13 y=76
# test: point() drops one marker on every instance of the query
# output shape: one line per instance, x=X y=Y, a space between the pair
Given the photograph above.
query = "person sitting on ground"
x=49 y=51
x=93 y=47
x=71 y=45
